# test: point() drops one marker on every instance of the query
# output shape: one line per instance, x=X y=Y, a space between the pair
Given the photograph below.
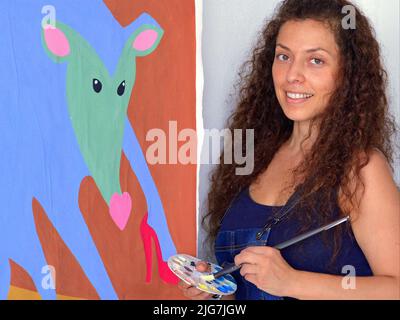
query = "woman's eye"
x=282 y=57
x=317 y=61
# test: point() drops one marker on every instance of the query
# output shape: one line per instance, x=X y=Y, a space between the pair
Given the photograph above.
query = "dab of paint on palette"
x=184 y=266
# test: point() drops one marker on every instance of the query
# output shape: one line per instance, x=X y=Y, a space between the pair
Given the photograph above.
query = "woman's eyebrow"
x=308 y=51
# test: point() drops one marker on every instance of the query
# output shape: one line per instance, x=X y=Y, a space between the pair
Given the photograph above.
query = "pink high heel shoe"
x=165 y=273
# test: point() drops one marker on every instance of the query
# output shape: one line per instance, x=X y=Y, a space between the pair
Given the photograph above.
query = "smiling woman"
x=315 y=94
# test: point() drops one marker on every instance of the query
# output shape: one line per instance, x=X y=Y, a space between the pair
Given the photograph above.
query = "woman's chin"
x=297 y=114
x=301 y=111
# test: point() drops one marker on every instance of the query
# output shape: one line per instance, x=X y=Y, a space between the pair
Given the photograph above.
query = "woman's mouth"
x=297 y=97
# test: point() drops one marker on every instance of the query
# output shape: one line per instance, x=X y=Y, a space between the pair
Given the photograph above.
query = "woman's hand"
x=265 y=268
x=192 y=292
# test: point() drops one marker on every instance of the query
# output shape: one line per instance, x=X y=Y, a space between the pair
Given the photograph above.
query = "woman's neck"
x=302 y=139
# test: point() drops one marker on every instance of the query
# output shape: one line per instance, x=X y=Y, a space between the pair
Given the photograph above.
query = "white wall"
x=230 y=29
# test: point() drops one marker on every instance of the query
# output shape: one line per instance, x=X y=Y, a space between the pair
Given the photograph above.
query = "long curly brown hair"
x=356 y=120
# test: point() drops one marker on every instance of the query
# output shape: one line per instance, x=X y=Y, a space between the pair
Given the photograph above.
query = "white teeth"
x=298 y=95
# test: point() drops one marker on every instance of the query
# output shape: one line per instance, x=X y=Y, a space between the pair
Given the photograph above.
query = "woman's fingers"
x=183 y=285
x=192 y=292
x=202 y=266
x=247 y=269
x=188 y=290
x=195 y=294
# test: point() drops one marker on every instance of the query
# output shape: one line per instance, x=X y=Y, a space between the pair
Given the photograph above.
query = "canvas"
x=86 y=210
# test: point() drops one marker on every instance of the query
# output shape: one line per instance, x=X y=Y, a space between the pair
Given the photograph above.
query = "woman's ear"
x=145 y=39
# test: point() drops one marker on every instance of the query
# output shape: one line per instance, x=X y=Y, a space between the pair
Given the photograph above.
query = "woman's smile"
x=297 y=97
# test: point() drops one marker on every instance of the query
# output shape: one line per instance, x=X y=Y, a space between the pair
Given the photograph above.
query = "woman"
x=315 y=96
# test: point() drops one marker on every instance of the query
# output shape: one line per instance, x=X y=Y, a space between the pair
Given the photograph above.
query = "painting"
x=87 y=208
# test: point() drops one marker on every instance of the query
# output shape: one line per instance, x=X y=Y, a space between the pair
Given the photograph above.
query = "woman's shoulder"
x=374 y=185
x=377 y=174
x=377 y=161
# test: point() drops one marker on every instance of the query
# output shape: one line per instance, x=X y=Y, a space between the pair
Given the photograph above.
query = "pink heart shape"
x=120 y=209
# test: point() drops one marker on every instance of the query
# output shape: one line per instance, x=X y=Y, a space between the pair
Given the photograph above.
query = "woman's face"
x=305 y=68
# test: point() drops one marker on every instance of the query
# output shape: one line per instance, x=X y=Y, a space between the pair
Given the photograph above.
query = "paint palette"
x=184 y=266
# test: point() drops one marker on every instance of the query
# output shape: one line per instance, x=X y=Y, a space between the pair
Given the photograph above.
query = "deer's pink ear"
x=145 y=40
x=56 y=41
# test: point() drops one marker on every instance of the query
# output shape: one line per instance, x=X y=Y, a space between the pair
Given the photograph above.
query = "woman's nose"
x=295 y=73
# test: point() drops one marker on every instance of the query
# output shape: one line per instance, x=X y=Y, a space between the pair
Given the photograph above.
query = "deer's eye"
x=97 y=86
x=121 y=88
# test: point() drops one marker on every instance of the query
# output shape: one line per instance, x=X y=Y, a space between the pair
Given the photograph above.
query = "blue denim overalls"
x=245 y=219
x=230 y=242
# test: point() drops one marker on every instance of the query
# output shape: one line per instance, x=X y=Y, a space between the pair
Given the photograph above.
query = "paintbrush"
x=233 y=268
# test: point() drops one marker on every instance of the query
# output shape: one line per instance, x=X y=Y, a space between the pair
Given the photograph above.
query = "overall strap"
x=282 y=213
